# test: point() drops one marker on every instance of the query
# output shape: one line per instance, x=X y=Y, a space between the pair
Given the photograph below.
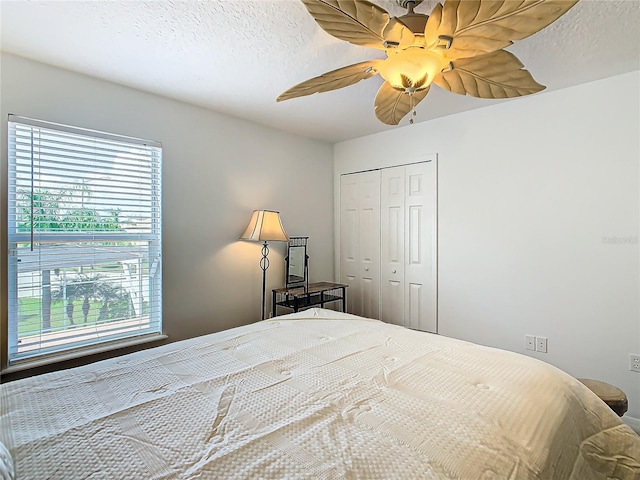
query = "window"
x=84 y=240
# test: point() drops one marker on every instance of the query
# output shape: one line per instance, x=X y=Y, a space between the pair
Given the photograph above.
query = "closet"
x=388 y=244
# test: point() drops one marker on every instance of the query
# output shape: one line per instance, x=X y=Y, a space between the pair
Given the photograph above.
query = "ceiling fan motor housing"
x=416 y=22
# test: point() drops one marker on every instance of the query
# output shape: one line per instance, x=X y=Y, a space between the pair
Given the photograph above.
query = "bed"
x=318 y=395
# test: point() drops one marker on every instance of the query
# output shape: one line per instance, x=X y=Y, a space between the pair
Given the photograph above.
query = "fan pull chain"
x=413 y=108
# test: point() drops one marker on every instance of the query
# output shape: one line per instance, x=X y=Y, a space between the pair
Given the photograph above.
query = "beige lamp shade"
x=265 y=225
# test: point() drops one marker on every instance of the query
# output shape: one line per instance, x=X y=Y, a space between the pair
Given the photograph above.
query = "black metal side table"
x=299 y=298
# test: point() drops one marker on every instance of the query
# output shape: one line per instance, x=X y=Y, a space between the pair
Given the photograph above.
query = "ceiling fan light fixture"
x=414 y=64
x=472 y=34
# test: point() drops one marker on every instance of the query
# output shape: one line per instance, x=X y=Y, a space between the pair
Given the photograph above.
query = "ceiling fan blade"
x=342 y=77
x=398 y=35
x=434 y=26
x=480 y=26
x=493 y=75
x=356 y=21
x=392 y=105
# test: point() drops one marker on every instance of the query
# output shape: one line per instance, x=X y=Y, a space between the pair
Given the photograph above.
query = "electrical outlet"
x=541 y=344
x=634 y=363
x=530 y=342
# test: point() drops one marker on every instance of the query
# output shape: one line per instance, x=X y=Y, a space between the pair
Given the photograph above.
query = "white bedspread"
x=318 y=395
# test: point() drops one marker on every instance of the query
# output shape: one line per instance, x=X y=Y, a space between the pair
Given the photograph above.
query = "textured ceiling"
x=237 y=56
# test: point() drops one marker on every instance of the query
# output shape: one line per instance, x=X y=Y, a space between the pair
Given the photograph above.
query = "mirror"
x=297 y=262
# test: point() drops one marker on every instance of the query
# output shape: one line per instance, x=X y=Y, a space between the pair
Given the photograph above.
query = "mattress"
x=318 y=395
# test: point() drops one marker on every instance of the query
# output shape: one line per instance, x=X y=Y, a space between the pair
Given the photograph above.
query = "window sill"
x=82 y=352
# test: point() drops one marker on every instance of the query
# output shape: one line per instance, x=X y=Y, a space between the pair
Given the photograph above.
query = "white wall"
x=538 y=223
x=216 y=170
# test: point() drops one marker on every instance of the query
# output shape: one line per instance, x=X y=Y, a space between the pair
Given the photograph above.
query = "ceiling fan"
x=459 y=47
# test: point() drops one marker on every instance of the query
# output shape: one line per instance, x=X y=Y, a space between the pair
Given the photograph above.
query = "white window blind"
x=84 y=239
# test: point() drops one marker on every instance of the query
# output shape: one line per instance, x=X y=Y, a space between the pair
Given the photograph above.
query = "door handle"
x=393 y=271
x=366 y=269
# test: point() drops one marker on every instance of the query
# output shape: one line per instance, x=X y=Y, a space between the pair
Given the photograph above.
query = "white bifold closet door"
x=360 y=242
x=408 y=246
x=388 y=244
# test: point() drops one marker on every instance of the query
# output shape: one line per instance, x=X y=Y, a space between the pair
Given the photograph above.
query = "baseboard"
x=634 y=423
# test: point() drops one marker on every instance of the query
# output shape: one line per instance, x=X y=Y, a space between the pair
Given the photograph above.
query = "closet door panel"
x=360 y=241
x=349 y=239
x=415 y=314
x=370 y=298
x=420 y=247
x=369 y=244
x=392 y=231
x=393 y=302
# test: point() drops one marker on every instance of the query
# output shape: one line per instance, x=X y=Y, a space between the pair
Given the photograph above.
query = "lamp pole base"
x=264 y=264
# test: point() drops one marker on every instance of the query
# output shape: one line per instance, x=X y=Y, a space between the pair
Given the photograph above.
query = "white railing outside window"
x=84 y=239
